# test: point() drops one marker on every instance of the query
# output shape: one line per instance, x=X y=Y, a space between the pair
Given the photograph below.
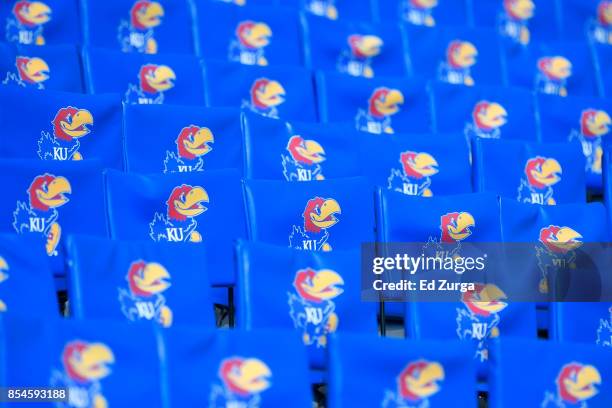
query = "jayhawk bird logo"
x=153 y=81
x=455 y=227
x=594 y=124
x=319 y=216
x=575 y=385
x=513 y=21
x=556 y=251
x=541 y=173
x=25 y=26
x=601 y=27
x=143 y=300
x=243 y=380
x=323 y=8
x=32 y=72
x=311 y=307
x=417 y=382
x=414 y=177
x=479 y=319
x=303 y=163
x=461 y=56
x=604 y=332
x=552 y=74
x=383 y=103
x=357 y=59
x=251 y=40
x=192 y=143
x=179 y=224
x=419 y=12
x=69 y=126
x=84 y=366
x=39 y=215
x=4 y=268
x=265 y=97
x=137 y=34
x=487 y=120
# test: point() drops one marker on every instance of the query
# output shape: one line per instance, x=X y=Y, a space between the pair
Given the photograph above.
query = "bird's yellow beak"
x=192 y=205
x=326 y=218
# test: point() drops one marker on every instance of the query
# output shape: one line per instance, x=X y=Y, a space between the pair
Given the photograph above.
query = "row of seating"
x=458 y=56
x=100 y=363
x=184 y=25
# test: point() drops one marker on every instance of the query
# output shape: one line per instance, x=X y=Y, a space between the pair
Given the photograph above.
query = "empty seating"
x=139 y=281
x=544 y=174
x=173 y=139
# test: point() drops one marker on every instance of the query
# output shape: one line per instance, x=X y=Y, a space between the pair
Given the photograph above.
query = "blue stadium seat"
x=279 y=150
x=603 y=59
x=535 y=173
x=354 y=48
x=248 y=35
x=30 y=22
x=587 y=18
x=579 y=120
x=181 y=139
x=369 y=371
x=59 y=126
x=144 y=79
x=190 y=208
x=145 y=26
x=355 y=10
x=428 y=13
x=519 y=22
x=139 y=281
x=314 y=293
x=234 y=368
x=484 y=111
x=26 y=282
x=314 y=216
x=582 y=322
x=378 y=105
x=420 y=165
x=48 y=201
x=559 y=375
x=98 y=363
x=557 y=234
x=457 y=55
x=270 y=91
x=55 y=67
x=553 y=68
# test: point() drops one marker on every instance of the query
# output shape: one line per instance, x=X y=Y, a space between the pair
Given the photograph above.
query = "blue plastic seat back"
x=144 y=79
x=30 y=22
x=399 y=372
x=180 y=208
x=248 y=35
x=425 y=13
x=277 y=92
x=279 y=150
x=538 y=173
x=565 y=374
x=61 y=126
x=55 y=67
x=315 y=294
x=457 y=55
x=580 y=120
x=314 y=216
x=93 y=360
x=26 y=281
x=379 y=105
x=50 y=200
x=143 y=26
x=234 y=367
x=172 y=139
x=485 y=111
x=354 y=48
x=582 y=322
x=139 y=281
